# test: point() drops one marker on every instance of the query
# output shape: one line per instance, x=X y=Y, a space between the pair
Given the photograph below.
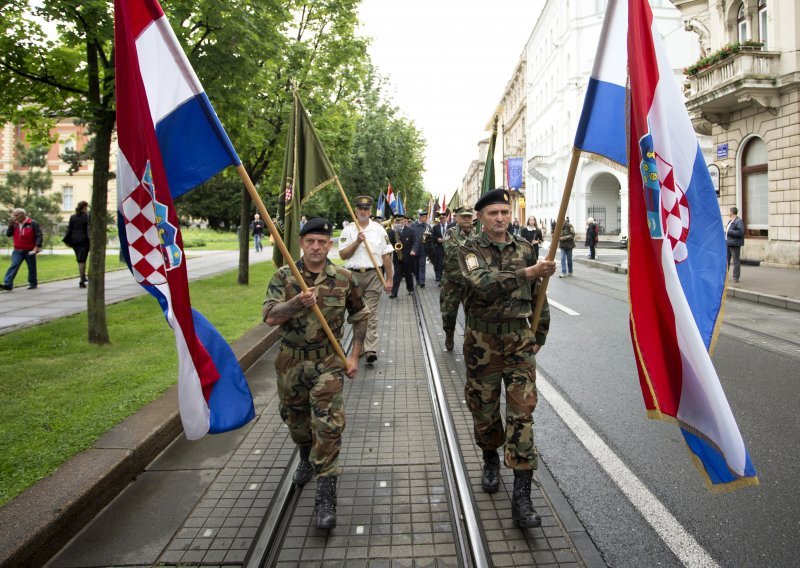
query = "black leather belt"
x=362 y=270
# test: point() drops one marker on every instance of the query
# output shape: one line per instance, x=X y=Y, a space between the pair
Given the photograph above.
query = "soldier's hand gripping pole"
x=551 y=253
x=355 y=220
x=288 y=258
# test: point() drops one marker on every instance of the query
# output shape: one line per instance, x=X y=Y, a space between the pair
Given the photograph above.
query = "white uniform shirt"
x=378 y=243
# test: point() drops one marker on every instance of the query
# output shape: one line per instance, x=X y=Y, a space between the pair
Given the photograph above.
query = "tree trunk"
x=96 y=298
x=244 y=239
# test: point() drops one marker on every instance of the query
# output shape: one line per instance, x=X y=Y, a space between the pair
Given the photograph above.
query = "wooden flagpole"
x=288 y=258
x=551 y=253
x=360 y=230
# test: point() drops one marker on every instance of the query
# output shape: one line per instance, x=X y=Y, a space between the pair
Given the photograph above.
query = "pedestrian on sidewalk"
x=77 y=237
x=257 y=227
x=500 y=347
x=27 y=244
x=566 y=242
x=734 y=238
x=592 y=236
x=357 y=259
x=533 y=234
x=310 y=374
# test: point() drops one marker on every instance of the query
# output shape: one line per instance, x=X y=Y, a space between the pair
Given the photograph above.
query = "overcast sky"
x=448 y=62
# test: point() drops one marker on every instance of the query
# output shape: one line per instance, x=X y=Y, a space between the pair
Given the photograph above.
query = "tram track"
x=471 y=548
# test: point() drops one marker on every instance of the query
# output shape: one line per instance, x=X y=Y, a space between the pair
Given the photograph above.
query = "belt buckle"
x=500 y=329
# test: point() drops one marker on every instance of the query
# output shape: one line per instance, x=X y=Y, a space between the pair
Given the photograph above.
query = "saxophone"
x=426 y=236
x=398 y=245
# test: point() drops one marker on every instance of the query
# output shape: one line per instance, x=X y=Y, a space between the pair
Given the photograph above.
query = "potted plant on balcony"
x=721 y=54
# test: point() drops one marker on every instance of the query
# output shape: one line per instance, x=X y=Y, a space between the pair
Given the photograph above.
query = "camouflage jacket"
x=497 y=289
x=337 y=291
x=454 y=238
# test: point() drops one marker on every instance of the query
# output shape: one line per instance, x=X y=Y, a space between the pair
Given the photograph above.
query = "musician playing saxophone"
x=404 y=240
x=421 y=229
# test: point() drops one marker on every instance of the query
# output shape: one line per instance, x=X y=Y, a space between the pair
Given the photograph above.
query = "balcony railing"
x=757 y=65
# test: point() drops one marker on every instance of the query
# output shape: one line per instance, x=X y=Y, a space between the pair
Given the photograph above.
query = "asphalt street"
x=589 y=361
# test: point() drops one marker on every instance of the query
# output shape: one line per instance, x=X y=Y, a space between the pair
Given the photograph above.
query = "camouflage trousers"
x=450 y=295
x=312 y=406
x=508 y=359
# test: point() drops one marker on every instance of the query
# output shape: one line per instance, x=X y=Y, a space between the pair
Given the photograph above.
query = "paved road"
x=589 y=362
x=51 y=300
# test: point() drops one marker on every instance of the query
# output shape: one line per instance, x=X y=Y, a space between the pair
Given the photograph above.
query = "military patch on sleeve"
x=342 y=240
x=386 y=239
x=472 y=262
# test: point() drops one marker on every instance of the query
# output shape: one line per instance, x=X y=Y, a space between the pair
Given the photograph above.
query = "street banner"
x=306 y=170
x=677 y=252
x=170 y=140
x=391 y=200
x=514 y=173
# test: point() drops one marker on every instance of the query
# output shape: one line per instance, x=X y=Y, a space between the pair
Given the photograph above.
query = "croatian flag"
x=170 y=140
x=677 y=263
x=391 y=200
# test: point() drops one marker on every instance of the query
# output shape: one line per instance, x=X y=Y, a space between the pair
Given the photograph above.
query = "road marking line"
x=563 y=308
x=685 y=547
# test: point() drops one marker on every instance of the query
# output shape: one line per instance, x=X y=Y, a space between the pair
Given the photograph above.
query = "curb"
x=40 y=521
x=732 y=291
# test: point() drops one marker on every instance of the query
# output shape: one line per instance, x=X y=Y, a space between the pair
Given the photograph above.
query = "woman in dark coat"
x=78 y=238
x=533 y=234
x=591 y=236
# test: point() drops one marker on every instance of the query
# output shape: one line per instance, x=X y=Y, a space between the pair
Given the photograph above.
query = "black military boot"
x=491 y=471
x=304 y=470
x=325 y=502
x=522 y=511
x=448 y=340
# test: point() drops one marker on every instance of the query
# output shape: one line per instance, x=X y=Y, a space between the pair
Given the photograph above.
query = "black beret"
x=363 y=201
x=492 y=197
x=318 y=226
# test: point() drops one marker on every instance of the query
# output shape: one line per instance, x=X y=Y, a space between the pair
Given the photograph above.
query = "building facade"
x=560 y=54
x=72 y=187
x=473 y=180
x=746 y=95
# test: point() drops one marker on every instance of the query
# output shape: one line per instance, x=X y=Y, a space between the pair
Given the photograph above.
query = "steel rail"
x=474 y=550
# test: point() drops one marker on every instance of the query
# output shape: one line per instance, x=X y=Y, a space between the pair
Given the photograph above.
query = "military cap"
x=422 y=212
x=465 y=211
x=318 y=226
x=363 y=201
x=492 y=197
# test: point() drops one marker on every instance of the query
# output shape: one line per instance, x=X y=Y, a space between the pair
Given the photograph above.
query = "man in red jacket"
x=27 y=244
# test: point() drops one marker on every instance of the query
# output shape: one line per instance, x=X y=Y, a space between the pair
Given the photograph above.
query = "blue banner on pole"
x=514 y=172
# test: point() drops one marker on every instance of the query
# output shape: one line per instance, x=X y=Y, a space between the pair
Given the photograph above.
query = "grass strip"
x=59 y=394
x=51 y=267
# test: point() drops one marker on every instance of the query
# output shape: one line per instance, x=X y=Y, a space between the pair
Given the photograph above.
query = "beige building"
x=748 y=100
x=73 y=188
x=473 y=180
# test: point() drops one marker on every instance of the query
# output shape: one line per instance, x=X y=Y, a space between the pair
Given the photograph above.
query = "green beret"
x=492 y=197
x=318 y=226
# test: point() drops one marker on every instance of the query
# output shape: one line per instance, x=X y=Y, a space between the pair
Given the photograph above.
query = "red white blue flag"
x=170 y=140
x=677 y=264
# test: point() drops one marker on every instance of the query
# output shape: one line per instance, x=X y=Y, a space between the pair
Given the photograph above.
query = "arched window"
x=763 y=36
x=741 y=24
x=755 y=188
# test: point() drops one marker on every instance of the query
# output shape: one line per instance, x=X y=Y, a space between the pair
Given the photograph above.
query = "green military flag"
x=306 y=169
x=488 y=170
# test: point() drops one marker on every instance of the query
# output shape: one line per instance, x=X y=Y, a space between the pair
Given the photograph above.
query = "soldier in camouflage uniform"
x=310 y=374
x=452 y=293
x=501 y=276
